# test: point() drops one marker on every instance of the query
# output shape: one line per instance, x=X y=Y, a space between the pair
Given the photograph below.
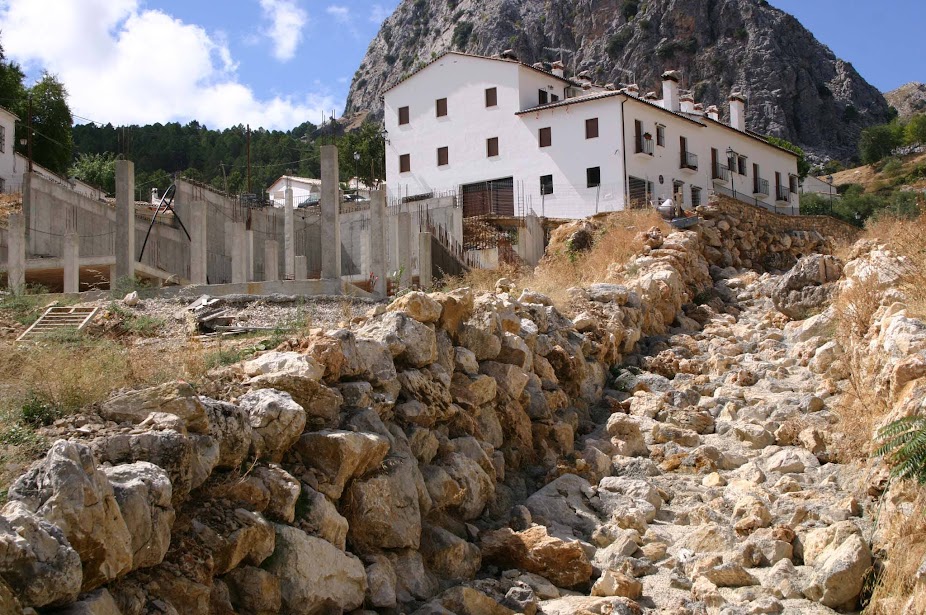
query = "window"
x=741 y=164
x=695 y=196
x=491 y=97
x=678 y=192
x=546 y=137
x=403 y=115
x=660 y=135
x=546 y=184
x=554 y=98
x=792 y=183
x=441 y=107
x=593 y=176
x=2 y=138
x=443 y=156
x=405 y=163
x=591 y=128
x=492 y=147
x=542 y=97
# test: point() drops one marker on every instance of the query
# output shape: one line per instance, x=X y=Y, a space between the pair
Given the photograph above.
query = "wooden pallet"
x=58 y=318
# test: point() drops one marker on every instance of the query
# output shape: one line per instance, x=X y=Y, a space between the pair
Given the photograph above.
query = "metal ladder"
x=56 y=318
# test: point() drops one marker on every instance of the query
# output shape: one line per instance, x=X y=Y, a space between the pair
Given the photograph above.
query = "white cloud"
x=340 y=13
x=287 y=21
x=123 y=64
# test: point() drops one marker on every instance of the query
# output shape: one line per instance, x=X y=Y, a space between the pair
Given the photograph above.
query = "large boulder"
x=36 y=559
x=277 y=365
x=807 y=287
x=315 y=577
x=319 y=517
x=563 y=562
x=68 y=490
x=338 y=456
x=839 y=578
x=408 y=340
x=383 y=509
x=563 y=506
x=229 y=427
x=143 y=492
x=448 y=555
x=418 y=305
x=177 y=398
x=253 y=590
x=276 y=422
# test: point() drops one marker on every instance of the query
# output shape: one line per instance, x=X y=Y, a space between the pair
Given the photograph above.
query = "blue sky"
x=277 y=63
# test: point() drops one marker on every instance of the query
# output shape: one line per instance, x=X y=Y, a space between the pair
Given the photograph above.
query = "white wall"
x=11 y=175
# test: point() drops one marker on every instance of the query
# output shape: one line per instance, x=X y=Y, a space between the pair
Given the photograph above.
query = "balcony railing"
x=783 y=193
x=721 y=172
x=644 y=146
x=689 y=161
x=760 y=186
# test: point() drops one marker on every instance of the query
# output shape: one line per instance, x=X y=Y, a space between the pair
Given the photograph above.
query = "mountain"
x=797 y=88
x=909 y=99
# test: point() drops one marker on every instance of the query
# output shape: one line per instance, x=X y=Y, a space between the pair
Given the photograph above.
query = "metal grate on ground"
x=59 y=318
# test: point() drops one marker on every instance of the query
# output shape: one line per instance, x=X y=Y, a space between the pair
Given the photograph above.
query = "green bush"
x=903 y=445
x=877 y=142
x=617 y=42
x=915 y=131
x=630 y=8
x=461 y=33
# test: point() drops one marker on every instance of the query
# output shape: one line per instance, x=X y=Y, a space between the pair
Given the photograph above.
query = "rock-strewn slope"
x=666 y=448
x=797 y=88
x=909 y=99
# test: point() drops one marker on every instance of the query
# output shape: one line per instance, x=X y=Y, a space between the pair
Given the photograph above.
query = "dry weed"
x=904 y=534
x=906 y=237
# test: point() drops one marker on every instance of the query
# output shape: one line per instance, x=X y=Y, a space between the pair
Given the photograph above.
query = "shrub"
x=617 y=42
x=878 y=142
x=903 y=445
x=630 y=8
x=461 y=33
x=915 y=132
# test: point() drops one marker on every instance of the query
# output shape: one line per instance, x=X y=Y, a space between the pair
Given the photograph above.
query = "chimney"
x=688 y=104
x=558 y=69
x=738 y=111
x=651 y=96
x=670 y=90
x=714 y=113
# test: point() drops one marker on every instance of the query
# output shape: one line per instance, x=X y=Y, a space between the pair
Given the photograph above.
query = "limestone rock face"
x=408 y=340
x=143 y=492
x=838 y=580
x=177 y=398
x=315 y=577
x=419 y=306
x=276 y=422
x=564 y=563
x=68 y=490
x=807 y=287
x=37 y=559
x=229 y=427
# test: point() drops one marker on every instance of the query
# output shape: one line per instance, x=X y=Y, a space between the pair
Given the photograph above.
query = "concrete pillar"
x=16 y=251
x=289 y=240
x=424 y=261
x=302 y=268
x=125 y=219
x=235 y=239
x=249 y=254
x=403 y=249
x=199 y=237
x=378 y=241
x=271 y=260
x=71 y=263
x=330 y=214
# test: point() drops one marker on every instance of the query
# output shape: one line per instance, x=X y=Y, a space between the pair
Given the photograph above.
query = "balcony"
x=689 y=161
x=720 y=173
x=644 y=146
x=760 y=187
x=783 y=194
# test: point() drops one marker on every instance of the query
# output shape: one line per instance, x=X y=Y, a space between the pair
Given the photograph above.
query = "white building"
x=306 y=190
x=512 y=138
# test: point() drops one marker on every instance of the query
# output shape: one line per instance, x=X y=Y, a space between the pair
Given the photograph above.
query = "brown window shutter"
x=403 y=115
x=405 y=163
x=443 y=156
x=546 y=137
x=492 y=147
x=591 y=128
x=441 y=107
x=491 y=97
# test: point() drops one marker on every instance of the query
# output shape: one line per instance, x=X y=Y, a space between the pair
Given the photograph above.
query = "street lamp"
x=357 y=171
x=730 y=155
x=829 y=180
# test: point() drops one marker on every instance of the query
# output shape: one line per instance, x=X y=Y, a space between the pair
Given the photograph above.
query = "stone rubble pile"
x=470 y=453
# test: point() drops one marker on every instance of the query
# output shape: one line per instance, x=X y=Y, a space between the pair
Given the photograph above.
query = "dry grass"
x=907 y=238
x=615 y=242
x=905 y=539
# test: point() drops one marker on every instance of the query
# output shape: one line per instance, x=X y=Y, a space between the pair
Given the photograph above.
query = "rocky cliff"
x=797 y=88
x=909 y=99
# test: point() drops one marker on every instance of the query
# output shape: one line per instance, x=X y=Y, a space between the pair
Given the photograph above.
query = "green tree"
x=803 y=166
x=96 y=170
x=878 y=142
x=12 y=90
x=915 y=132
x=52 y=142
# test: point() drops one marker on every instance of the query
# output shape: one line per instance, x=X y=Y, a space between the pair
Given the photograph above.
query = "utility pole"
x=30 y=134
x=249 y=159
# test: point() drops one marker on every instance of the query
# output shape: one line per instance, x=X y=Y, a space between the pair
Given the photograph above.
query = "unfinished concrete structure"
x=215 y=240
